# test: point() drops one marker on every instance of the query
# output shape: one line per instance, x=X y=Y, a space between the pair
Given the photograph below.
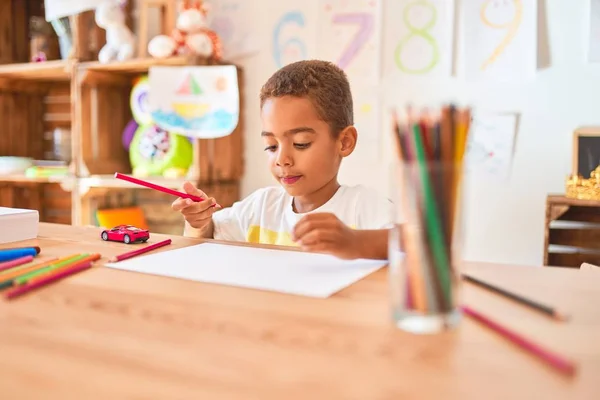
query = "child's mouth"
x=289 y=180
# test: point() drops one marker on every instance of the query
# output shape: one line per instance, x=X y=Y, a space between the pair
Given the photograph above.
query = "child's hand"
x=197 y=214
x=325 y=233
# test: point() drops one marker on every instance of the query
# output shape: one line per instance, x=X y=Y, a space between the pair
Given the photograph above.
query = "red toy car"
x=126 y=234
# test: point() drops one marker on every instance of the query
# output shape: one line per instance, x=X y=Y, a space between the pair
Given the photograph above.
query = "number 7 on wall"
x=365 y=22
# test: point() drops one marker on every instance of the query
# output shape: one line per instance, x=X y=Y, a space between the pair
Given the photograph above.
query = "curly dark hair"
x=322 y=82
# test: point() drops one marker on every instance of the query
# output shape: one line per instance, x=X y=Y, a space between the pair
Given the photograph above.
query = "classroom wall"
x=504 y=220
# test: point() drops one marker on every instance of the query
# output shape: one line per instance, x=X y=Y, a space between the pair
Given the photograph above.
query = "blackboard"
x=588 y=154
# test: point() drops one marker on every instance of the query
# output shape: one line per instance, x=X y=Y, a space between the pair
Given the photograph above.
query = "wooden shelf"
x=109 y=181
x=18 y=178
x=47 y=71
x=135 y=66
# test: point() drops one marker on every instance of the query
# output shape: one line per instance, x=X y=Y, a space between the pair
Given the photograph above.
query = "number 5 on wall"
x=280 y=49
x=365 y=22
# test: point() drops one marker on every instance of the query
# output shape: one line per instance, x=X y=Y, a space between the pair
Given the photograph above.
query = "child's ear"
x=347 y=140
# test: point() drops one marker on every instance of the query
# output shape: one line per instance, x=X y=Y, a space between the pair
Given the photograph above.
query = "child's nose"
x=284 y=158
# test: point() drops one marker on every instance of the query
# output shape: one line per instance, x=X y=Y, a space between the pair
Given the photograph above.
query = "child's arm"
x=325 y=233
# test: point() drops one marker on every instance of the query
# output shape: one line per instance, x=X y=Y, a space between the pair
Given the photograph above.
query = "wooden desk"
x=110 y=334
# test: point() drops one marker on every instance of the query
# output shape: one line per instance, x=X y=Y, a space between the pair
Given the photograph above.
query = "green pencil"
x=20 y=280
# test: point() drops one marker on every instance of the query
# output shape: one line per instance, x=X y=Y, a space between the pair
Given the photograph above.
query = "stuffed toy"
x=191 y=35
x=120 y=42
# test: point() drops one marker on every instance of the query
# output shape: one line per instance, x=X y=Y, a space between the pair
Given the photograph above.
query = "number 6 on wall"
x=292 y=17
x=365 y=23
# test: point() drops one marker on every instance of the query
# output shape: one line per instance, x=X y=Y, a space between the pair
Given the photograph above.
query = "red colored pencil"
x=13 y=263
x=19 y=290
x=556 y=361
x=157 y=187
x=142 y=250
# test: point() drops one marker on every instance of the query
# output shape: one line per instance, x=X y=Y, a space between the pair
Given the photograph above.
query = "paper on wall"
x=229 y=19
x=298 y=273
x=594 y=32
x=56 y=9
x=491 y=144
x=196 y=101
x=500 y=39
x=349 y=35
x=418 y=37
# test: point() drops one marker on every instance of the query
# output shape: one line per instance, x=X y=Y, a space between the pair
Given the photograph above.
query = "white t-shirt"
x=266 y=216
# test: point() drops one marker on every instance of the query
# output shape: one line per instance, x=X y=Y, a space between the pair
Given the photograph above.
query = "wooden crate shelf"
x=572 y=232
x=91 y=101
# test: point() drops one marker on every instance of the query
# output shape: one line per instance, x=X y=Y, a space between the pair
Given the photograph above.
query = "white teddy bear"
x=191 y=35
x=120 y=41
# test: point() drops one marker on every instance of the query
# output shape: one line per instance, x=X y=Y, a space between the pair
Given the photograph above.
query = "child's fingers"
x=189 y=188
x=199 y=207
x=198 y=221
x=316 y=236
x=305 y=226
x=180 y=204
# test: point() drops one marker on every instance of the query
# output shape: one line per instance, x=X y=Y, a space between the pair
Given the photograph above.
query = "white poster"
x=229 y=19
x=500 y=39
x=418 y=37
x=201 y=102
x=594 y=33
x=56 y=9
x=491 y=144
x=349 y=35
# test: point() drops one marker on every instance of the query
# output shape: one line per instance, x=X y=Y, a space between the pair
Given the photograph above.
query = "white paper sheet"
x=500 y=39
x=198 y=101
x=491 y=144
x=55 y=9
x=349 y=35
x=229 y=19
x=418 y=37
x=594 y=32
x=298 y=273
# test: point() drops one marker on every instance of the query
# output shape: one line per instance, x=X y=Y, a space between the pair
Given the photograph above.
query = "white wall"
x=505 y=219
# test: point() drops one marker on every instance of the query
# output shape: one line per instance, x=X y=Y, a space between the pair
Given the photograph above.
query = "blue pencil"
x=11 y=254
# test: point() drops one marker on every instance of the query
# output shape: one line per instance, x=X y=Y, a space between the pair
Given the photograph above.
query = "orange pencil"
x=89 y=259
x=21 y=271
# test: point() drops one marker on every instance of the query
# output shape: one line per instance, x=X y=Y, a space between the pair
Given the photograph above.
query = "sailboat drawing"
x=191 y=108
x=199 y=101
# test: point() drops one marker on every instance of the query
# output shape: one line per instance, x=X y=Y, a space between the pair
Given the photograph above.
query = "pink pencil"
x=19 y=290
x=554 y=360
x=13 y=263
x=142 y=250
x=157 y=187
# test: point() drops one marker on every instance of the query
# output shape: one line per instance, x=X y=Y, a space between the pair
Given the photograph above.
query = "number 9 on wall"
x=293 y=48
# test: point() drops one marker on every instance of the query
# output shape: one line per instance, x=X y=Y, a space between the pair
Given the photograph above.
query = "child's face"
x=303 y=154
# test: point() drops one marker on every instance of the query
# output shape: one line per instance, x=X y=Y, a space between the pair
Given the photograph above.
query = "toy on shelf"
x=120 y=41
x=191 y=35
x=154 y=151
x=126 y=234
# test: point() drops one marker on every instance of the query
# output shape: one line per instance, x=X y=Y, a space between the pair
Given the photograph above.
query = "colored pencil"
x=139 y=251
x=16 y=262
x=38 y=250
x=59 y=268
x=11 y=254
x=163 y=189
x=12 y=273
x=20 y=290
x=546 y=309
x=554 y=360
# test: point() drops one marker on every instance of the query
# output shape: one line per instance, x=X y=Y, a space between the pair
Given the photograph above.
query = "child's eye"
x=302 y=145
x=271 y=148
